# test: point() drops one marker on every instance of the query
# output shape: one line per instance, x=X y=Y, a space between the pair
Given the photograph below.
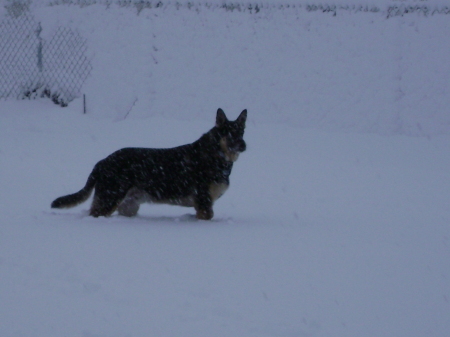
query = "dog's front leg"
x=203 y=204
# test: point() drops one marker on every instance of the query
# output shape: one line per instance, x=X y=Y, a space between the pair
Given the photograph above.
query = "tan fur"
x=135 y=197
x=217 y=190
x=229 y=155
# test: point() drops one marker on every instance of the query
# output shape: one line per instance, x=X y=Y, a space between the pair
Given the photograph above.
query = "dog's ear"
x=221 y=119
x=242 y=117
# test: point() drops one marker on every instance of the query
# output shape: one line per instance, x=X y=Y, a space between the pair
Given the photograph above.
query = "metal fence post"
x=39 y=48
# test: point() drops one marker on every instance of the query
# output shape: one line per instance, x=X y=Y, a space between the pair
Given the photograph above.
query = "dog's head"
x=231 y=134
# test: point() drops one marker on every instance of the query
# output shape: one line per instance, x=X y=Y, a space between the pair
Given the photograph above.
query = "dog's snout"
x=238 y=145
x=242 y=146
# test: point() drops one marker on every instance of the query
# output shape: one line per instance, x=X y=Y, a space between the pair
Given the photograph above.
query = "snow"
x=336 y=222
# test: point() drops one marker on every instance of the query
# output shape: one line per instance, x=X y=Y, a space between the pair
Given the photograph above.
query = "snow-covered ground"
x=337 y=220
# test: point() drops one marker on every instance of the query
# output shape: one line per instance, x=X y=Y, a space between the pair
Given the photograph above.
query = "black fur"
x=193 y=175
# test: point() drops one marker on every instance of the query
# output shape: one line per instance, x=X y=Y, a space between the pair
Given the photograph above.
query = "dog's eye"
x=238 y=132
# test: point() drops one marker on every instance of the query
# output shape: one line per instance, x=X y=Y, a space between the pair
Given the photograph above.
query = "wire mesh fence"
x=57 y=67
x=32 y=67
x=398 y=8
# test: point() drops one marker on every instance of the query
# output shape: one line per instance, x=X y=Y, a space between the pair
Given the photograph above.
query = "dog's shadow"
x=181 y=219
x=142 y=219
x=185 y=218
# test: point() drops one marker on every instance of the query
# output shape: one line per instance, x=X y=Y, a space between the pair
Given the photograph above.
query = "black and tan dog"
x=192 y=175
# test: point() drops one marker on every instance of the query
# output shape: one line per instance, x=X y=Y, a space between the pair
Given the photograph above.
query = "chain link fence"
x=32 y=67
x=398 y=8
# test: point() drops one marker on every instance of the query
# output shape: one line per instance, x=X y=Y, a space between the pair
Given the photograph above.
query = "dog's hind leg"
x=105 y=202
x=130 y=205
x=128 y=208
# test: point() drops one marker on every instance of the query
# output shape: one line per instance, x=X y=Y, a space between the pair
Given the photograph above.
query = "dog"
x=191 y=175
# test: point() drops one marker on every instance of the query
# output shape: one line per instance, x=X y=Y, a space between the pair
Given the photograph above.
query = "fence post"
x=39 y=48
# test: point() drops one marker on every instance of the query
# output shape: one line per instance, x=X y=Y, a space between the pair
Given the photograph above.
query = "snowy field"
x=337 y=219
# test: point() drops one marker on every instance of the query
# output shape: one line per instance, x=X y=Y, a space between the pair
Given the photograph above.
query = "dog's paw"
x=205 y=214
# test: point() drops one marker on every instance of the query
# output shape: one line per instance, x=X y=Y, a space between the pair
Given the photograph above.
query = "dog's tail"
x=75 y=199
